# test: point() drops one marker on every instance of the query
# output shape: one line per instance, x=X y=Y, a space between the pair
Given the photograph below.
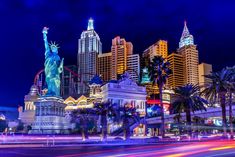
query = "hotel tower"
x=120 y=50
x=89 y=46
x=189 y=52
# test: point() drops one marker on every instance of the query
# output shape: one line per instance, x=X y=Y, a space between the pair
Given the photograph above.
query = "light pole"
x=40 y=114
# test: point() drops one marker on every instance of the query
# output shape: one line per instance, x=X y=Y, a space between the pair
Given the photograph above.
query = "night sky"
x=143 y=22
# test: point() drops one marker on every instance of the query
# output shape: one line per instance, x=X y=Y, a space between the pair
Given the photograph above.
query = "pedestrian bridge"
x=211 y=112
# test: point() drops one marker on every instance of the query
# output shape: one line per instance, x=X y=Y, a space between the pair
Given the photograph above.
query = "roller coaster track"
x=66 y=68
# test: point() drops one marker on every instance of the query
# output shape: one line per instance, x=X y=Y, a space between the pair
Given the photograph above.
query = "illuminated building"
x=50 y=117
x=31 y=98
x=83 y=101
x=167 y=99
x=176 y=79
x=160 y=48
x=129 y=48
x=145 y=80
x=95 y=88
x=133 y=66
x=80 y=103
x=104 y=66
x=124 y=91
x=120 y=49
x=190 y=56
x=145 y=76
x=186 y=38
x=89 y=46
x=204 y=69
x=27 y=116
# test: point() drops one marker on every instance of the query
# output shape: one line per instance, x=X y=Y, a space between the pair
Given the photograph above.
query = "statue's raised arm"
x=47 y=48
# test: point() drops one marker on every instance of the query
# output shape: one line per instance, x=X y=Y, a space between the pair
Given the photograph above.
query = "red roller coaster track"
x=66 y=68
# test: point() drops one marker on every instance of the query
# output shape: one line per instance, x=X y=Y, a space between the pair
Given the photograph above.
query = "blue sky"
x=143 y=22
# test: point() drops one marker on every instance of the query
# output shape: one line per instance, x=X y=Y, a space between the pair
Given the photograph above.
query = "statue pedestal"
x=49 y=116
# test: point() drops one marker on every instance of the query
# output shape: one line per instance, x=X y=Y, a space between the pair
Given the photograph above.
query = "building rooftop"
x=96 y=80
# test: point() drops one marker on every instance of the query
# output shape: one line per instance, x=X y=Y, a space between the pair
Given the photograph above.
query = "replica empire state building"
x=89 y=46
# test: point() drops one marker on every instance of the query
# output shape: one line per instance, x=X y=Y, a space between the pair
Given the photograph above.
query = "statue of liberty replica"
x=50 y=116
x=53 y=66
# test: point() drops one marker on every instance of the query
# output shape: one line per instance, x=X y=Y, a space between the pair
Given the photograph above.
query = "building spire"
x=186 y=37
x=90 y=24
x=185 y=32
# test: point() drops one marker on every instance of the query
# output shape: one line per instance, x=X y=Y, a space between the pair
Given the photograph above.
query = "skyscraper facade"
x=189 y=51
x=204 y=69
x=89 y=46
x=104 y=66
x=160 y=48
x=176 y=79
x=120 y=49
x=129 y=48
x=133 y=66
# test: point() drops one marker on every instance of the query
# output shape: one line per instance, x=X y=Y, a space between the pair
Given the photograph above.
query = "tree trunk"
x=83 y=134
x=223 y=107
x=188 y=119
x=145 y=121
x=231 y=115
x=84 y=129
x=162 y=113
x=104 y=127
x=197 y=123
x=126 y=129
x=179 y=125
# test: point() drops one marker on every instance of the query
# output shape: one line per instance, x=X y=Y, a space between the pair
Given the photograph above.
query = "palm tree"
x=159 y=71
x=231 y=90
x=188 y=100
x=105 y=110
x=82 y=116
x=217 y=87
x=127 y=114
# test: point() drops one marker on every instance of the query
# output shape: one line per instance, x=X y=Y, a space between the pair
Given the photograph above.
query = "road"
x=190 y=149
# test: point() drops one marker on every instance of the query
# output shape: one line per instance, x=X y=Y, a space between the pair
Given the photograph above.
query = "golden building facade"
x=120 y=49
x=204 y=69
x=129 y=48
x=176 y=79
x=104 y=66
x=190 y=58
x=160 y=48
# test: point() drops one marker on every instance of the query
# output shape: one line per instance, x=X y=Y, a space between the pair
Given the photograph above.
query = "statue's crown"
x=54 y=45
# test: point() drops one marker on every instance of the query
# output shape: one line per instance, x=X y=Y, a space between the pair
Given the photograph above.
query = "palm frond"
x=188 y=97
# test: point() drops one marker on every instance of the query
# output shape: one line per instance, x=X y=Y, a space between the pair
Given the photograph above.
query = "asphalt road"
x=190 y=149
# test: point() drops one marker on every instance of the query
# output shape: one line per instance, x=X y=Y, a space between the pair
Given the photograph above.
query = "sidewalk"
x=59 y=140
x=45 y=139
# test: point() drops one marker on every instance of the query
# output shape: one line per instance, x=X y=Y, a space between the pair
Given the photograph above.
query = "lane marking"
x=221 y=148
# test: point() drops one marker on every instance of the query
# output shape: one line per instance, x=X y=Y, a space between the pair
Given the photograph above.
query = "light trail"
x=179 y=149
